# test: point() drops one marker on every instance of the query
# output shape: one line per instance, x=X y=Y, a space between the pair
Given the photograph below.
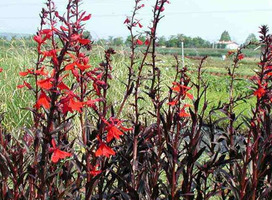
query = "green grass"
x=205 y=51
x=13 y=60
x=17 y=56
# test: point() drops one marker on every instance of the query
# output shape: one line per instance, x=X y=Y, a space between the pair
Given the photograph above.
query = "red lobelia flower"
x=172 y=103
x=127 y=21
x=91 y=102
x=113 y=129
x=147 y=42
x=26 y=84
x=139 y=42
x=75 y=105
x=83 y=41
x=94 y=170
x=182 y=89
x=70 y=66
x=43 y=101
x=63 y=86
x=28 y=71
x=41 y=71
x=104 y=150
x=57 y=153
x=45 y=83
x=183 y=113
x=86 y=17
x=64 y=28
x=260 y=92
x=241 y=56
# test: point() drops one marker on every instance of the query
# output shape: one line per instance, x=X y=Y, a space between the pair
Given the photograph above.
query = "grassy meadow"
x=17 y=55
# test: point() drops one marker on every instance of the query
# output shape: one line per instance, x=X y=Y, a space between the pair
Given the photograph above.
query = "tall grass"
x=17 y=55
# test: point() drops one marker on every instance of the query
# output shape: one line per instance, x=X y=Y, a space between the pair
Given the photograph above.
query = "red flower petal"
x=45 y=31
x=27 y=85
x=139 y=42
x=23 y=73
x=62 y=86
x=75 y=105
x=95 y=172
x=125 y=129
x=43 y=101
x=58 y=154
x=260 y=92
x=70 y=66
x=190 y=96
x=147 y=42
x=87 y=17
x=75 y=37
x=126 y=21
x=104 y=150
x=241 y=56
x=63 y=28
x=83 y=67
x=172 y=103
x=41 y=72
x=91 y=103
x=183 y=113
x=20 y=86
x=53 y=142
x=38 y=39
x=83 y=41
x=45 y=83
x=113 y=132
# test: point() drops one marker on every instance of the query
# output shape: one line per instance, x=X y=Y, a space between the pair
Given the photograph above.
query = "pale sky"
x=204 y=18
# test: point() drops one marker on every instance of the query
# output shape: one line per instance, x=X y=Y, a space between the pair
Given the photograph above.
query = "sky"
x=203 y=18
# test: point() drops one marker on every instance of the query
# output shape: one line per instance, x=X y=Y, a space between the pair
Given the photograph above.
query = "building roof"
x=226 y=42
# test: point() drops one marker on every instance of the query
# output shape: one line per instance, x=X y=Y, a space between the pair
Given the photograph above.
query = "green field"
x=18 y=55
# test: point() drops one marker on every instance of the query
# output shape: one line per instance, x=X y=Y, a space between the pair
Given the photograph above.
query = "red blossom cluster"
x=65 y=82
x=181 y=94
x=262 y=82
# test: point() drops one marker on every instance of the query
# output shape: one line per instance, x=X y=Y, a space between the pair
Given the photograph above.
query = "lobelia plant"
x=253 y=170
x=62 y=60
x=177 y=150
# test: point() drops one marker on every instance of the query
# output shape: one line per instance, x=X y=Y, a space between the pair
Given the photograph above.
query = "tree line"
x=172 y=41
x=175 y=41
x=162 y=41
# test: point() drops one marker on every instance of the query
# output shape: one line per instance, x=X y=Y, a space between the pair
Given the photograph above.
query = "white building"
x=228 y=44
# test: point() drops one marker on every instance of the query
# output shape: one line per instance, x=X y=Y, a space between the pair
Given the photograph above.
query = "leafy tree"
x=118 y=41
x=173 y=41
x=225 y=36
x=101 y=42
x=198 y=42
x=251 y=38
x=162 y=41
